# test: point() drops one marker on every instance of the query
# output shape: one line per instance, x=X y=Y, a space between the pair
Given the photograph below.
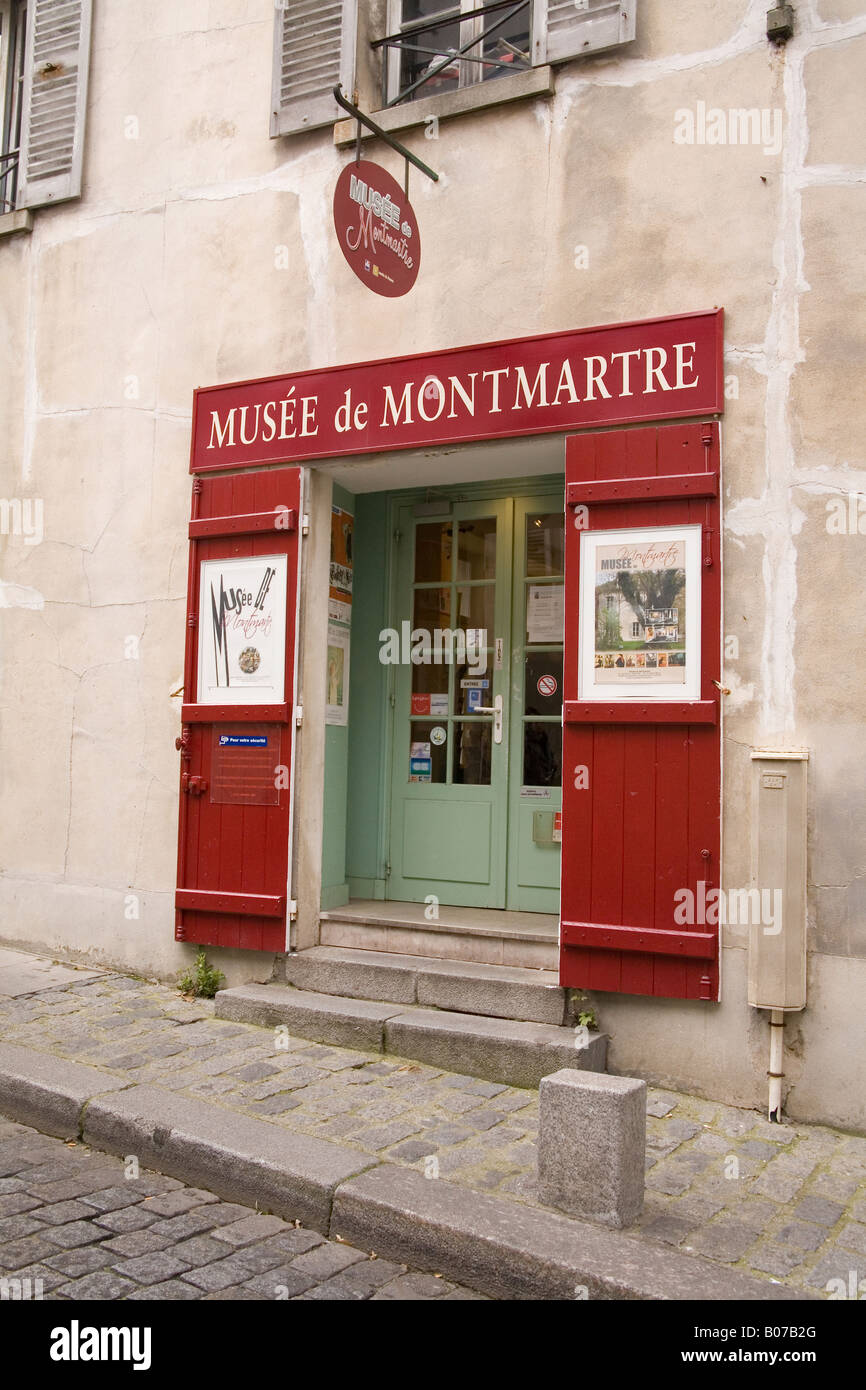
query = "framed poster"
x=342 y=567
x=242 y=631
x=337 y=693
x=640 y=614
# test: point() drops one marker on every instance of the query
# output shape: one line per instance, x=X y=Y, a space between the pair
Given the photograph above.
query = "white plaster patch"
x=20 y=596
x=740 y=693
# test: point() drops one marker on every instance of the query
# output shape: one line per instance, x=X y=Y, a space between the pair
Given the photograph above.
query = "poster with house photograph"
x=644 y=619
x=640 y=612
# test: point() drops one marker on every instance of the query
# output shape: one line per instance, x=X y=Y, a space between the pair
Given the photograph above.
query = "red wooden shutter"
x=234 y=836
x=644 y=822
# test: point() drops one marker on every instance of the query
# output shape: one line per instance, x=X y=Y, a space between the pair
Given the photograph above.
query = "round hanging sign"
x=377 y=229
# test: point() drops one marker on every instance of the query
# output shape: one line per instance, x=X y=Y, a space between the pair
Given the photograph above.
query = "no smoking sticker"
x=547 y=685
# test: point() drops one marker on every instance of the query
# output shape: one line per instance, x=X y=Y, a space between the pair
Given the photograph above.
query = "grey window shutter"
x=314 y=49
x=564 y=29
x=56 y=58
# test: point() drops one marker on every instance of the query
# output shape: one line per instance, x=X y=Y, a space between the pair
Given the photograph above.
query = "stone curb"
x=48 y=1092
x=237 y=1156
x=502 y=1248
x=512 y=1251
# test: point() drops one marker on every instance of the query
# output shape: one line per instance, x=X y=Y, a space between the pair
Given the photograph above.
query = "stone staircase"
x=526 y=939
x=500 y=1023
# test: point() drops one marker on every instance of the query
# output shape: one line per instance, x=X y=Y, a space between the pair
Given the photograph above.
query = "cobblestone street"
x=785 y=1202
x=77 y=1226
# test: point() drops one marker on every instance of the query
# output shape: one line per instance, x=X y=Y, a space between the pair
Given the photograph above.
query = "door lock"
x=496 y=710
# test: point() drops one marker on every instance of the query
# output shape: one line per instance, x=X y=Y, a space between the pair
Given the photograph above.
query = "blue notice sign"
x=243 y=741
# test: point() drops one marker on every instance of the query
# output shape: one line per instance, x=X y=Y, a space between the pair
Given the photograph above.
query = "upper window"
x=12 y=28
x=442 y=47
x=428 y=48
x=44 y=48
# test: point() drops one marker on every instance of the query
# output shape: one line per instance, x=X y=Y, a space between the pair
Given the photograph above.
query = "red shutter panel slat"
x=648 y=823
x=235 y=822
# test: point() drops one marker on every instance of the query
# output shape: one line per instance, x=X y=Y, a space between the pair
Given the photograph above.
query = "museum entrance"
x=476 y=648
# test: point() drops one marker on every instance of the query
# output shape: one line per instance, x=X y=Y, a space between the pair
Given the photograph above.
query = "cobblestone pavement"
x=75 y=1220
x=786 y=1202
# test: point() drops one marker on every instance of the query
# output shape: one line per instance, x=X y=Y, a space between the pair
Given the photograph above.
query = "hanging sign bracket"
x=382 y=134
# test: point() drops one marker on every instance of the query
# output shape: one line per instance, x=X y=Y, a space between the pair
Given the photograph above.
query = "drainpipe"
x=777 y=1047
x=777 y=935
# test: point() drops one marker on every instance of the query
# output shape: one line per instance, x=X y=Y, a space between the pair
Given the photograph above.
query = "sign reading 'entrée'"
x=654 y=370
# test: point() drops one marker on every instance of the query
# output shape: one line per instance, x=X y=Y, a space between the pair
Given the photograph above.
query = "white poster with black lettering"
x=242 y=631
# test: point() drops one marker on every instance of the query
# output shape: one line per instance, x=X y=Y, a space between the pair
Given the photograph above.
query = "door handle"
x=496 y=710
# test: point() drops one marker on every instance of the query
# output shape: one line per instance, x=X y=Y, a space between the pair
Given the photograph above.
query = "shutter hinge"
x=392 y=699
x=305 y=524
x=387 y=870
x=191 y=620
x=299 y=716
x=293 y=909
x=708 y=548
x=398 y=536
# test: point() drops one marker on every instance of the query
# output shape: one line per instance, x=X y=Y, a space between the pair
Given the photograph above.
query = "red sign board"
x=377 y=229
x=652 y=370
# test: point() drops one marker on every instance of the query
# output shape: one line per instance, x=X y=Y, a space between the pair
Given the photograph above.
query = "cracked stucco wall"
x=168 y=274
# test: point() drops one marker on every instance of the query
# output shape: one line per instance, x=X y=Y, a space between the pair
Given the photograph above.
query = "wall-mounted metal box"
x=542 y=827
x=777 y=925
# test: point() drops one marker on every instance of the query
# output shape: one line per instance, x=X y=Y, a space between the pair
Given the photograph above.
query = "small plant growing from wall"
x=582 y=1010
x=201 y=980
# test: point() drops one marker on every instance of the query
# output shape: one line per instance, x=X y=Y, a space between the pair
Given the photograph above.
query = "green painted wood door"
x=477 y=583
x=535 y=721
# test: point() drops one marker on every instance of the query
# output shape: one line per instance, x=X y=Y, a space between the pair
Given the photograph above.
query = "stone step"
x=528 y=996
x=488 y=938
x=495 y=1049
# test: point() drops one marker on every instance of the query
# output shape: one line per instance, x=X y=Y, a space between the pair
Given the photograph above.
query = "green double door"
x=476 y=753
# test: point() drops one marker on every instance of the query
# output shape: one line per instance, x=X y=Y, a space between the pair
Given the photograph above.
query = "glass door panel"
x=535 y=796
x=449 y=793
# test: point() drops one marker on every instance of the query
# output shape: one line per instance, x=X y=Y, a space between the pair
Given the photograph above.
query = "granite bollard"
x=592 y=1145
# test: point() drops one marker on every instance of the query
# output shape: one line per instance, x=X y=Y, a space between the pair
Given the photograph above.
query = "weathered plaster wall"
x=202 y=252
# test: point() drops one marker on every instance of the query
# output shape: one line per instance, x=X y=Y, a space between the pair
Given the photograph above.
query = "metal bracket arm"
x=382 y=134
